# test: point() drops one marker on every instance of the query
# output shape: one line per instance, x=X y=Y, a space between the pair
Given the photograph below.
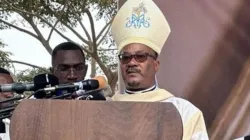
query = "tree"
x=4 y=57
x=28 y=74
x=22 y=76
x=62 y=15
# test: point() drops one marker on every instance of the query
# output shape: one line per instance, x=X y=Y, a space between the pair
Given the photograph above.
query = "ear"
x=157 y=65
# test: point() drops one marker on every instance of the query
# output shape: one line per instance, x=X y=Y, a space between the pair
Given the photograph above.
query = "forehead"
x=136 y=47
x=69 y=57
x=5 y=79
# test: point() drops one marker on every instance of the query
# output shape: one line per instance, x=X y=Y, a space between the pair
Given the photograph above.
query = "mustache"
x=133 y=70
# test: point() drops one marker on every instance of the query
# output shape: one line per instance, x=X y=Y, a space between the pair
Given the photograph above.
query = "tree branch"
x=17 y=9
x=92 y=30
x=40 y=36
x=87 y=51
x=93 y=68
x=52 y=29
x=113 y=81
x=23 y=63
x=106 y=71
x=104 y=28
x=84 y=29
x=70 y=28
x=81 y=24
x=41 y=18
x=20 y=29
x=76 y=33
x=58 y=20
x=56 y=30
x=103 y=37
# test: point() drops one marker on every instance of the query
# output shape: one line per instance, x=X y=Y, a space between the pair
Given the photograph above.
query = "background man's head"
x=5 y=78
x=136 y=23
x=68 y=63
x=139 y=65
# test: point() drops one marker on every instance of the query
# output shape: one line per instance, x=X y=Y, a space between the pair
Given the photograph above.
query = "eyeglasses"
x=67 y=68
x=126 y=58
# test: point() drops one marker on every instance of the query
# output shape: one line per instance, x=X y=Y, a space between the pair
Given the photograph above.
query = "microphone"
x=66 y=90
x=85 y=85
x=42 y=81
x=39 y=81
x=95 y=94
x=101 y=83
x=89 y=84
x=17 y=87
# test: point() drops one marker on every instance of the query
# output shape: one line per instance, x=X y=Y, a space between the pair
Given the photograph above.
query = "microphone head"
x=96 y=83
x=42 y=81
x=103 y=84
x=89 y=84
x=102 y=81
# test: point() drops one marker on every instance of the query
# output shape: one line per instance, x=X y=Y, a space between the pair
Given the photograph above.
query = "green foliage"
x=24 y=75
x=108 y=57
x=106 y=8
x=4 y=57
x=69 y=11
x=28 y=74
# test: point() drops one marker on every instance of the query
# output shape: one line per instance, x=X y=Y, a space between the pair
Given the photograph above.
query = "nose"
x=132 y=62
x=72 y=75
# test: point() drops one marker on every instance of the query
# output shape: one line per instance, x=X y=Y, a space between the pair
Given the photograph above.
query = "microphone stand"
x=7 y=111
x=49 y=95
x=96 y=94
x=18 y=97
x=6 y=116
x=62 y=96
x=66 y=93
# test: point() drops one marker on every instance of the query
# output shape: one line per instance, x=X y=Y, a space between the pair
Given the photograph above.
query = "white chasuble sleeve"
x=194 y=127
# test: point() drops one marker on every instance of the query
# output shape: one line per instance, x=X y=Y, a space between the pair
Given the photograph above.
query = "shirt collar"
x=141 y=91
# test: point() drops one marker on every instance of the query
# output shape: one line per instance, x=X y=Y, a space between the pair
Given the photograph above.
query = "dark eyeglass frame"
x=77 y=68
x=136 y=57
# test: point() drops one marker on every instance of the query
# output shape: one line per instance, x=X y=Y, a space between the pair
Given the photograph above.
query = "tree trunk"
x=93 y=68
x=113 y=81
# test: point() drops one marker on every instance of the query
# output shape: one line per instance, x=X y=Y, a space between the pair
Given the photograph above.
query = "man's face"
x=69 y=66
x=5 y=79
x=139 y=71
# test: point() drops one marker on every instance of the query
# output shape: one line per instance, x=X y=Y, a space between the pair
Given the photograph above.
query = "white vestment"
x=194 y=127
x=6 y=135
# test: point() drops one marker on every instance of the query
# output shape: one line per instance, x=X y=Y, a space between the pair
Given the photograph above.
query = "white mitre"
x=140 y=21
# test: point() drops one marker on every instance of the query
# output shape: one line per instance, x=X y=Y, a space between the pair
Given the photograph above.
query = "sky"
x=28 y=49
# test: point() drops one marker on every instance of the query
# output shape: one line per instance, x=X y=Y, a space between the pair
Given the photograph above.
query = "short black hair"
x=4 y=71
x=66 y=46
